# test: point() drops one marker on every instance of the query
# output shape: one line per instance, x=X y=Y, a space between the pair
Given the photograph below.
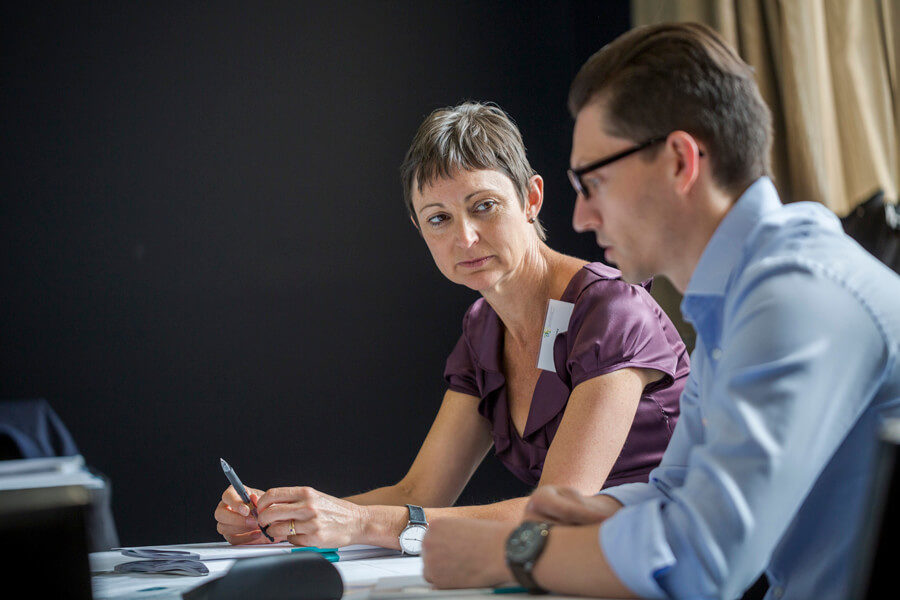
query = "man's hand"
x=566 y=506
x=459 y=553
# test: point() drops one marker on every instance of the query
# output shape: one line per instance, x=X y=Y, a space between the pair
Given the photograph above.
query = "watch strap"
x=523 y=575
x=416 y=515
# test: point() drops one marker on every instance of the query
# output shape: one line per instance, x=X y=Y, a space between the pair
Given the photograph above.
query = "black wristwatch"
x=523 y=547
x=412 y=534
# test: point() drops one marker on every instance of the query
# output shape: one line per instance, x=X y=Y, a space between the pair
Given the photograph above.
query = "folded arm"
x=597 y=420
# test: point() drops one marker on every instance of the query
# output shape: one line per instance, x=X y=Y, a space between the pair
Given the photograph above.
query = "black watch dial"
x=526 y=542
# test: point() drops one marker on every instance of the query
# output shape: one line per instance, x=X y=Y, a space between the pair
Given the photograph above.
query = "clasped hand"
x=567 y=506
x=470 y=553
x=317 y=519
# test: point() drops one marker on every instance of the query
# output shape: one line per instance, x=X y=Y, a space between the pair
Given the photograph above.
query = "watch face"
x=525 y=542
x=411 y=539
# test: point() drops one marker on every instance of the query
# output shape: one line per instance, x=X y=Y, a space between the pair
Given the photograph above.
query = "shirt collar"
x=724 y=249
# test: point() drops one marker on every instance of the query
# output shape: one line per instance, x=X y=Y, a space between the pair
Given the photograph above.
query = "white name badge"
x=557 y=322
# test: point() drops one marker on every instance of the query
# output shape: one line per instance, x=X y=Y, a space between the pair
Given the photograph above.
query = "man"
x=798 y=338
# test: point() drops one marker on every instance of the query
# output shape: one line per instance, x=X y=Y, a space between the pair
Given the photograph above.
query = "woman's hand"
x=317 y=519
x=234 y=521
x=566 y=506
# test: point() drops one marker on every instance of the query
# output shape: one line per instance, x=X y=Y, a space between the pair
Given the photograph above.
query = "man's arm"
x=778 y=401
x=460 y=553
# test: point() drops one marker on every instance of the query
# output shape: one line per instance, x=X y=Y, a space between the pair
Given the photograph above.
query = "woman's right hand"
x=234 y=521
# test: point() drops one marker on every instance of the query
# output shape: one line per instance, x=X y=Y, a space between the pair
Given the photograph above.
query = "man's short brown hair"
x=468 y=137
x=681 y=76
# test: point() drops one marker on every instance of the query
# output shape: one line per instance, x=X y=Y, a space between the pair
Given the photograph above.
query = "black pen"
x=242 y=492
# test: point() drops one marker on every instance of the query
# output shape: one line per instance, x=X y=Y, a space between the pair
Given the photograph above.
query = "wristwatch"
x=412 y=534
x=523 y=547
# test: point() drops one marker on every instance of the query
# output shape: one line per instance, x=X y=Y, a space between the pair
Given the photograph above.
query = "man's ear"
x=686 y=168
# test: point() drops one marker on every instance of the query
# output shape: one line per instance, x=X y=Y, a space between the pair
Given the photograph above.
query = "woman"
x=601 y=411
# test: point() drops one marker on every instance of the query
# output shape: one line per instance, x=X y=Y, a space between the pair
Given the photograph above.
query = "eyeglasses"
x=575 y=174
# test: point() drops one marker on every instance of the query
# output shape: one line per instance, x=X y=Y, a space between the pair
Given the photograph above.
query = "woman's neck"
x=520 y=299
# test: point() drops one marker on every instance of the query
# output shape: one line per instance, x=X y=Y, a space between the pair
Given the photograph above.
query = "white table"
x=358 y=575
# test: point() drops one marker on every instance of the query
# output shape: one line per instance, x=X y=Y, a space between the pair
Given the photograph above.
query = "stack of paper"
x=28 y=473
x=225 y=551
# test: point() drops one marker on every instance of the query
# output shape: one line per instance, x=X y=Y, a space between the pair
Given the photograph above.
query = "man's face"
x=620 y=207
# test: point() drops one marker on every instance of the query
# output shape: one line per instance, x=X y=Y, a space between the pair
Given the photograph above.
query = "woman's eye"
x=437 y=219
x=485 y=206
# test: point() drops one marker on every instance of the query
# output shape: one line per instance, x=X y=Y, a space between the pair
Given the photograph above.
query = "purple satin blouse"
x=614 y=325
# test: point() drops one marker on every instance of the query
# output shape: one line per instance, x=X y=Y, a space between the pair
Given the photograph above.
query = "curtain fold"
x=828 y=71
x=890 y=16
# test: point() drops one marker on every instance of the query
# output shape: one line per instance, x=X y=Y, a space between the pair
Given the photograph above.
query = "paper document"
x=369 y=571
x=225 y=551
x=51 y=464
x=30 y=473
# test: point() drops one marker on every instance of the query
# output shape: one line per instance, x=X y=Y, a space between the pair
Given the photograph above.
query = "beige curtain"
x=828 y=69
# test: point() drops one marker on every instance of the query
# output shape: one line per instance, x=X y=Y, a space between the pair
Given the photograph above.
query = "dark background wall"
x=204 y=249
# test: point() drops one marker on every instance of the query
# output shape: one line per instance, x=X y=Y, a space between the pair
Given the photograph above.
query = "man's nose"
x=582 y=216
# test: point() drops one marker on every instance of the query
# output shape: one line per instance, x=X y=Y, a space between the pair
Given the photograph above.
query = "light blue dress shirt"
x=796 y=362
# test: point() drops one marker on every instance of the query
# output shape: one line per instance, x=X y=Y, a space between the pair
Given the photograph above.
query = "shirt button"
x=716 y=353
x=778 y=592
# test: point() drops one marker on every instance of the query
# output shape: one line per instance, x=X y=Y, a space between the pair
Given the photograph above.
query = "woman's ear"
x=415 y=223
x=535 y=198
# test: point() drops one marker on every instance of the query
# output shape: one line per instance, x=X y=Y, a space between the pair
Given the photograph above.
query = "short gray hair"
x=467 y=137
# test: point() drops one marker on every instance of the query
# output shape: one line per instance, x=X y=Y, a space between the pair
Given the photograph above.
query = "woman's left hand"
x=317 y=519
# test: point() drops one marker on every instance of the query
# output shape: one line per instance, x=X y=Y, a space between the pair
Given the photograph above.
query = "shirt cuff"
x=632 y=493
x=635 y=545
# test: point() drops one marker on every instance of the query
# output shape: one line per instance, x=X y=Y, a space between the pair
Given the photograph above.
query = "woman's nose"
x=467 y=235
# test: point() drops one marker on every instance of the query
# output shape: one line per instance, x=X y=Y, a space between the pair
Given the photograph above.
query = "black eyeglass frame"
x=575 y=174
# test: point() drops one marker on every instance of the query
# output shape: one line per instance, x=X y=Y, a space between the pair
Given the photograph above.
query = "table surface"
x=359 y=577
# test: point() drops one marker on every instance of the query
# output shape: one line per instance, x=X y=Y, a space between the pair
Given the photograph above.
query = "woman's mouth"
x=474 y=263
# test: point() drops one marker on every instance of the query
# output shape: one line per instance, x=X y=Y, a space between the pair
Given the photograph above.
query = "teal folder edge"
x=329 y=554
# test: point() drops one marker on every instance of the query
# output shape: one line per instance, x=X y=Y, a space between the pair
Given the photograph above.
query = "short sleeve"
x=459 y=371
x=615 y=325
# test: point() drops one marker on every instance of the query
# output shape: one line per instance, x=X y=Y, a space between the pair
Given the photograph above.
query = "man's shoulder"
x=805 y=236
x=793 y=224
x=802 y=252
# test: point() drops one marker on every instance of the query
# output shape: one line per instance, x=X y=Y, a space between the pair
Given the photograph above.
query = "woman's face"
x=475 y=227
